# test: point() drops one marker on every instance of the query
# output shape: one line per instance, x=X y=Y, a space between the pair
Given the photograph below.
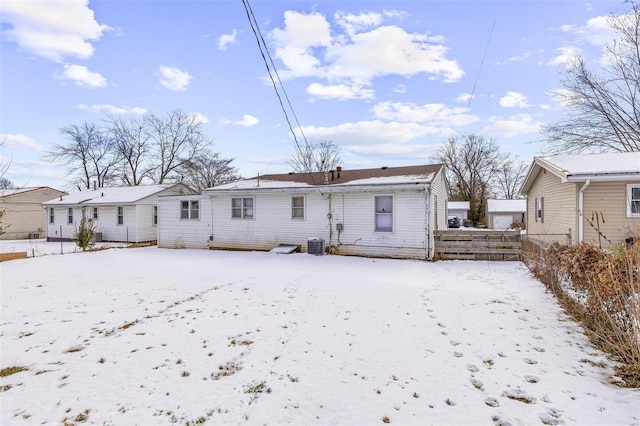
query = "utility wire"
x=271 y=70
x=484 y=54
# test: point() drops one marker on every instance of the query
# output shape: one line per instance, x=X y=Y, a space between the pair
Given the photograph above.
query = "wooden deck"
x=478 y=245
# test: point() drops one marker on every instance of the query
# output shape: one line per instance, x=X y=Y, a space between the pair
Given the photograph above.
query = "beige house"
x=23 y=216
x=594 y=197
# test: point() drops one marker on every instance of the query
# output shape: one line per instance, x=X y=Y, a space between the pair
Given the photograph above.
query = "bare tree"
x=471 y=165
x=132 y=142
x=318 y=157
x=6 y=183
x=89 y=155
x=176 y=138
x=207 y=170
x=509 y=177
x=603 y=106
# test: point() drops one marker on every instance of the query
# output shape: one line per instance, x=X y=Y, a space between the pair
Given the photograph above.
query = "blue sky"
x=388 y=81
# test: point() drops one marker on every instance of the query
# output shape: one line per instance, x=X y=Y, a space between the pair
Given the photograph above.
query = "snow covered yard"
x=156 y=336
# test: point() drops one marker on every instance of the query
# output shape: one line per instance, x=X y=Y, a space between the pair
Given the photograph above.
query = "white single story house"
x=593 y=197
x=459 y=209
x=382 y=212
x=22 y=216
x=123 y=214
x=501 y=214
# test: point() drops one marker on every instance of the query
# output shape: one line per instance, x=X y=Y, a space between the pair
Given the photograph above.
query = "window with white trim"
x=540 y=209
x=120 y=215
x=242 y=208
x=633 y=200
x=190 y=209
x=383 y=213
x=95 y=213
x=297 y=207
x=155 y=215
x=70 y=216
x=52 y=216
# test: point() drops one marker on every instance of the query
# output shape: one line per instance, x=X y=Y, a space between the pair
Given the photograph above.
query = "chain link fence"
x=534 y=244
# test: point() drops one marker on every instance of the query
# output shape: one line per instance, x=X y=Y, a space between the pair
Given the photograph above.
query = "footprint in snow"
x=530 y=361
x=477 y=383
x=551 y=417
x=472 y=368
x=531 y=379
x=458 y=354
x=539 y=349
x=518 y=394
x=491 y=401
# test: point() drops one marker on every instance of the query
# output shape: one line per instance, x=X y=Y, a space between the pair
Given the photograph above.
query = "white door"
x=502 y=221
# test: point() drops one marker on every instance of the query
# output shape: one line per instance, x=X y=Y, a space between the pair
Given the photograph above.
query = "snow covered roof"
x=458 y=205
x=16 y=191
x=616 y=166
x=111 y=195
x=498 y=206
x=337 y=178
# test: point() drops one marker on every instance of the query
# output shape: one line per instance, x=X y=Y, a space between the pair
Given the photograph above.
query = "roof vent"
x=384 y=167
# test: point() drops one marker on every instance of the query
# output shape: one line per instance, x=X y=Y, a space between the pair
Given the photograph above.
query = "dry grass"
x=8 y=371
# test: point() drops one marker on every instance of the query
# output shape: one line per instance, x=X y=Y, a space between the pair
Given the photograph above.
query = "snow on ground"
x=158 y=336
x=41 y=247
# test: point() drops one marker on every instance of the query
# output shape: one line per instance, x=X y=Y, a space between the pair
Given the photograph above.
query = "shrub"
x=84 y=235
x=600 y=289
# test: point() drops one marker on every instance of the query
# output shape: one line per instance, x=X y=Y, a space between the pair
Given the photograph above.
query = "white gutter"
x=581 y=210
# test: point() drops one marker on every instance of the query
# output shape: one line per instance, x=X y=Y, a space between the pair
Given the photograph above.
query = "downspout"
x=581 y=210
x=428 y=216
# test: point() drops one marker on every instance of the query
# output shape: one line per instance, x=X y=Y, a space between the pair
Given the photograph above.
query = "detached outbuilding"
x=22 y=214
x=590 y=197
x=502 y=214
x=122 y=214
x=383 y=212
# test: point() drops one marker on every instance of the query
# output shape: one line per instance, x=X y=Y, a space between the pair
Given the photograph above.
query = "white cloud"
x=394 y=151
x=199 y=118
x=173 y=78
x=52 y=29
x=371 y=132
x=339 y=91
x=508 y=127
x=19 y=140
x=438 y=115
x=82 y=77
x=464 y=98
x=565 y=55
x=247 y=121
x=112 y=109
x=226 y=39
x=514 y=100
x=308 y=46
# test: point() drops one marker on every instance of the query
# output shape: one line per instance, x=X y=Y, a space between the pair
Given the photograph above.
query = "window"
x=155 y=215
x=51 y=215
x=70 y=215
x=120 y=215
x=242 y=208
x=297 y=207
x=633 y=200
x=189 y=209
x=95 y=213
x=384 y=213
x=540 y=209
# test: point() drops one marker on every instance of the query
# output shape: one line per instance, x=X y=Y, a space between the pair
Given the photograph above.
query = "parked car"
x=453 y=222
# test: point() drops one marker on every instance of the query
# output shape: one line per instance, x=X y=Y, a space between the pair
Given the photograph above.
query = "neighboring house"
x=594 y=197
x=123 y=214
x=23 y=216
x=501 y=214
x=459 y=209
x=383 y=212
